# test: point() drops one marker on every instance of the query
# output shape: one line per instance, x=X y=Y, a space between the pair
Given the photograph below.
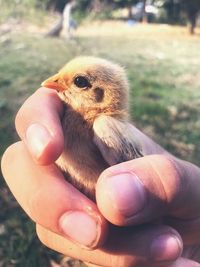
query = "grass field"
x=162 y=63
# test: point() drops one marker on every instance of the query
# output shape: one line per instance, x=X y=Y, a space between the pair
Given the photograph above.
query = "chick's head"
x=92 y=86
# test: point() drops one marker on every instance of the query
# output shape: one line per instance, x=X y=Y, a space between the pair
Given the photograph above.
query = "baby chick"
x=95 y=122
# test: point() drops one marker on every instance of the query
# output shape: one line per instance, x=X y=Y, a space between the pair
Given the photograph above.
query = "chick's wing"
x=115 y=140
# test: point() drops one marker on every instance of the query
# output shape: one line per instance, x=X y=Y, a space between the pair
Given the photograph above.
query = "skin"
x=156 y=197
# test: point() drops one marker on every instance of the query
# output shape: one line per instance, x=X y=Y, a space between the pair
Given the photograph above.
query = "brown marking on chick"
x=99 y=94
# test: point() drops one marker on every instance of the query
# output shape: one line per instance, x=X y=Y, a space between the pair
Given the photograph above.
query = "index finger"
x=38 y=125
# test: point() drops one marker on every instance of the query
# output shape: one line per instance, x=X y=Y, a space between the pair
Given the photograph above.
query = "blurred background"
x=158 y=42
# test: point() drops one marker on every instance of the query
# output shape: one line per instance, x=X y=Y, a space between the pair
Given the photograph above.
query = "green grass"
x=163 y=70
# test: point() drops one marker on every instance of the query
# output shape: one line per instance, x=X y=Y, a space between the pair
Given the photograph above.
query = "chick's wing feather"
x=115 y=140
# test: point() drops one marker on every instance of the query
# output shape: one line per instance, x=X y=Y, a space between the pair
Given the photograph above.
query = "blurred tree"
x=65 y=20
x=144 y=15
x=173 y=9
x=192 y=9
x=57 y=5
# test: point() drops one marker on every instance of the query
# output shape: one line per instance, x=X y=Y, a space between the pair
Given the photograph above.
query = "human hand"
x=158 y=190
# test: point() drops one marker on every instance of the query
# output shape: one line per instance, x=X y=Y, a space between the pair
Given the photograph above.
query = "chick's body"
x=95 y=122
x=81 y=160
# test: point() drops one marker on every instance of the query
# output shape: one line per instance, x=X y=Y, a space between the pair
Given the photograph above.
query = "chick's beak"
x=53 y=83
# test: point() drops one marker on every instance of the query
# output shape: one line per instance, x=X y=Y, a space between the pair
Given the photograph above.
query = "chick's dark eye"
x=81 y=82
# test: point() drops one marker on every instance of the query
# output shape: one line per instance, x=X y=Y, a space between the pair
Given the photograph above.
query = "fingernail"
x=80 y=228
x=166 y=247
x=37 y=138
x=127 y=193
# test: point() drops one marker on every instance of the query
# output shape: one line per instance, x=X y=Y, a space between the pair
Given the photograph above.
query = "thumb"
x=148 y=188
